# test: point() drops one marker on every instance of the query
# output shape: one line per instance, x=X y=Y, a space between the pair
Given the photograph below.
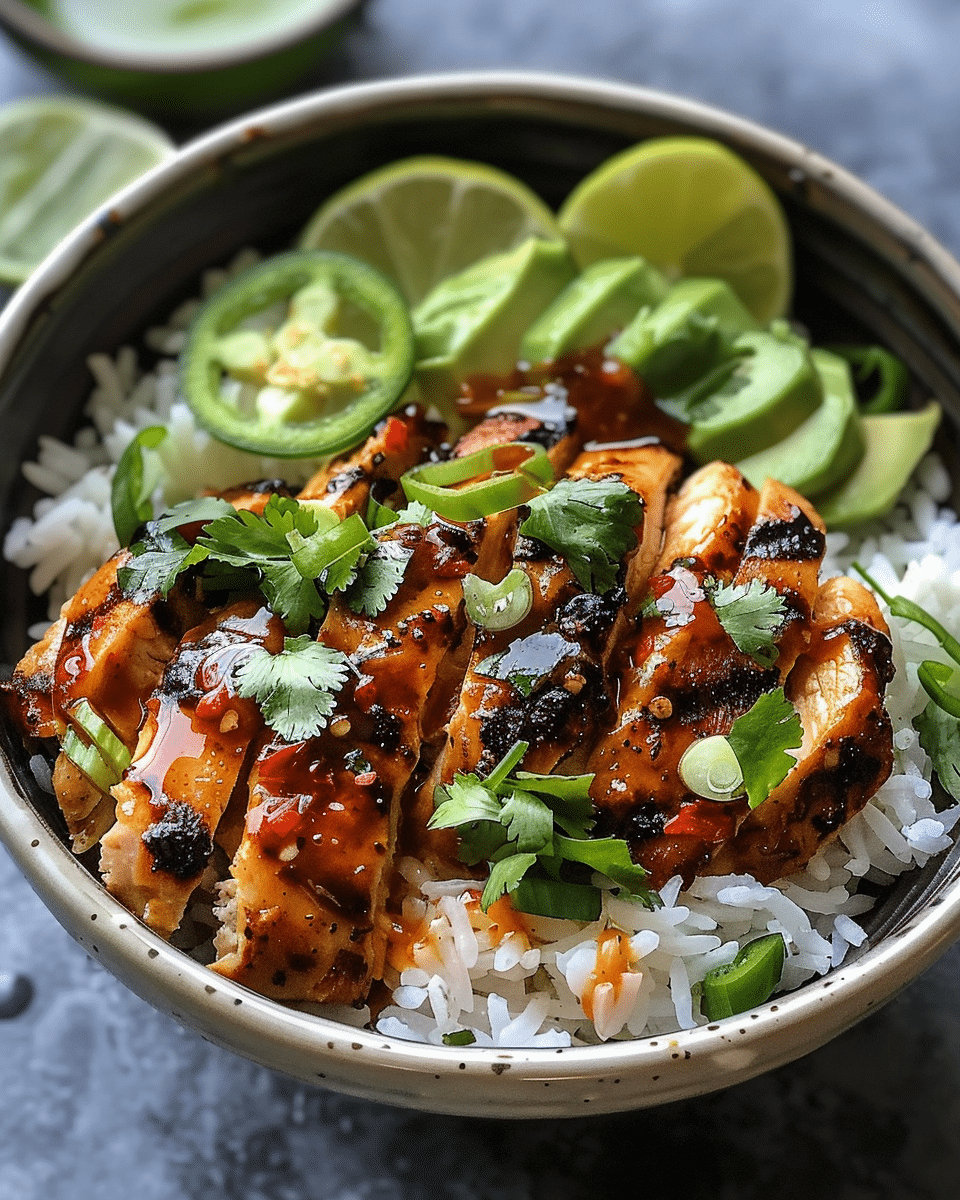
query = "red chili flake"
x=709 y=820
x=396 y=435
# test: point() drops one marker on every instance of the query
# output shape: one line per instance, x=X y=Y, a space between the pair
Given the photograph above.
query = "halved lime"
x=420 y=220
x=60 y=158
x=692 y=208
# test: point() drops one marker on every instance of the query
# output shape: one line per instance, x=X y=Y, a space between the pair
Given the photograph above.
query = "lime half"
x=420 y=220
x=60 y=158
x=692 y=208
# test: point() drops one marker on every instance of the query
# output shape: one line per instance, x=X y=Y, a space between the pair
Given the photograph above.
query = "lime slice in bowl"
x=691 y=207
x=420 y=220
x=60 y=158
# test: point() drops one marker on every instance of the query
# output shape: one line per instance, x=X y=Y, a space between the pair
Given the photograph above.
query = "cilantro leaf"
x=246 y=539
x=505 y=874
x=528 y=822
x=155 y=563
x=379 y=578
x=295 y=689
x=294 y=599
x=513 y=822
x=591 y=522
x=760 y=739
x=940 y=737
x=134 y=479
x=752 y=614
x=463 y=801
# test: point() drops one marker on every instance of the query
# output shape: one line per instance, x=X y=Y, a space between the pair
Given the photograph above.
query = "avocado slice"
x=771 y=389
x=472 y=322
x=600 y=301
x=894 y=445
x=674 y=344
x=825 y=447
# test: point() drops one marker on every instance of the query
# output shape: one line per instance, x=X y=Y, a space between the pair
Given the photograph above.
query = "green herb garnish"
x=760 y=739
x=534 y=831
x=295 y=689
x=133 y=483
x=939 y=680
x=592 y=523
x=378 y=579
x=752 y=614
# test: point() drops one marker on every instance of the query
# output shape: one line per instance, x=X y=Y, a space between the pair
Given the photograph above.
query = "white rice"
x=527 y=985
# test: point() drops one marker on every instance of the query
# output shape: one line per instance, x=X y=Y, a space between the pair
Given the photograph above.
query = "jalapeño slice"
x=299 y=356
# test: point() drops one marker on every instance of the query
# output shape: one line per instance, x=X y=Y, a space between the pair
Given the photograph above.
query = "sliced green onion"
x=498 y=605
x=710 y=768
x=893 y=377
x=506 y=764
x=483 y=483
x=114 y=753
x=749 y=980
x=934 y=677
x=133 y=484
x=906 y=610
x=312 y=555
x=89 y=761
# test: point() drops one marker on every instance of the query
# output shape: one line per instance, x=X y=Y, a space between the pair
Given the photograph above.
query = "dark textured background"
x=103 y=1099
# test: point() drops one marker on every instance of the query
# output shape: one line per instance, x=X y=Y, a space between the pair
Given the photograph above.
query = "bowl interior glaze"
x=863 y=268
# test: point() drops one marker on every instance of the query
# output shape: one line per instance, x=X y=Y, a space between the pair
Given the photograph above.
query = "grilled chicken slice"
x=682 y=676
x=308 y=917
x=110 y=650
x=544 y=680
x=398 y=442
x=29 y=692
x=192 y=750
x=837 y=686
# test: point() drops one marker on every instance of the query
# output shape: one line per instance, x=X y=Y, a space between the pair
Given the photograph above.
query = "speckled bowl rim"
x=479 y=1081
x=32 y=26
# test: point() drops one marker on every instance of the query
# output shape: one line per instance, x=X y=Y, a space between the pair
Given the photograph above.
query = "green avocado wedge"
x=773 y=387
x=824 y=448
x=589 y=311
x=688 y=334
x=473 y=321
x=894 y=445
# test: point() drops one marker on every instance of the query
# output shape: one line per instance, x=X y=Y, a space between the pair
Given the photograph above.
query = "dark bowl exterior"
x=188 y=93
x=862 y=268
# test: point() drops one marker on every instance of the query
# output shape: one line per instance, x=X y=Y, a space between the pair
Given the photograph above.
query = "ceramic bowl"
x=185 y=88
x=862 y=267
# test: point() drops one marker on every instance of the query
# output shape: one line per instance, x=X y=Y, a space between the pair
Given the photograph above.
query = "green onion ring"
x=710 y=768
x=503 y=477
x=500 y=605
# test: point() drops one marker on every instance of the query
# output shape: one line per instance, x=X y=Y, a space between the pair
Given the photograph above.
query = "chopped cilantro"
x=940 y=737
x=134 y=480
x=513 y=823
x=296 y=554
x=761 y=738
x=156 y=561
x=295 y=689
x=752 y=615
x=379 y=578
x=591 y=522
